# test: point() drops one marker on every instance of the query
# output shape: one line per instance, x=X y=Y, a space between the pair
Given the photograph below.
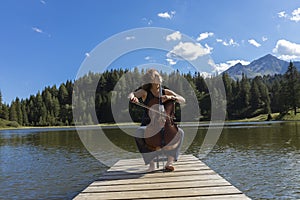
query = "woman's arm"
x=134 y=96
x=169 y=94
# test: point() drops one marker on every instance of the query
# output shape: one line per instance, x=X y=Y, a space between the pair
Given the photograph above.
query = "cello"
x=162 y=131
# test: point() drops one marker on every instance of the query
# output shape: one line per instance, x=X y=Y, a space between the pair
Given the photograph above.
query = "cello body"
x=162 y=132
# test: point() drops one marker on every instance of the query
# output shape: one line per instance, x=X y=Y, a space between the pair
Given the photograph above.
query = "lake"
x=261 y=159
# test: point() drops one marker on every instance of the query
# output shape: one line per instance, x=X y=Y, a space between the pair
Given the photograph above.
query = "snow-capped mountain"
x=266 y=65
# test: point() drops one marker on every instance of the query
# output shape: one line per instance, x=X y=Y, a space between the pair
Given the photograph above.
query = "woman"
x=150 y=90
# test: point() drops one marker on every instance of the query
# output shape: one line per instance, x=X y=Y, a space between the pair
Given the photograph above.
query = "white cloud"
x=174 y=36
x=254 y=43
x=150 y=59
x=171 y=61
x=231 y=42
x=288 y=57
x=296 y=15
x=167 y=15
x=287 y=50
x=206 y=74
x=87 y=54
x=130 y=38
x=208 y=48
x=205 y=35
x=282 y=14
x=221 y=67
x=164 y=15
x=43 y=2
x=189 y=51
x=37 y=30
x=264 y=38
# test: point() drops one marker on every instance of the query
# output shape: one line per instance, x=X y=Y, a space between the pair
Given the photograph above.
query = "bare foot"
x=169 y=168
x=169 y=165
x=151 y=167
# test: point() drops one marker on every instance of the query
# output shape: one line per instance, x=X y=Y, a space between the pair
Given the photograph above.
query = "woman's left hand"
x=168 y=97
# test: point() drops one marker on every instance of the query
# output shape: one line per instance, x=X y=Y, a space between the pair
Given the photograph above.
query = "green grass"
x=261 y=117
x=275 y=116
x=290 y=116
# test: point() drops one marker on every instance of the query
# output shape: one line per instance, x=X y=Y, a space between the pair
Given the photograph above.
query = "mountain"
x=266 y=65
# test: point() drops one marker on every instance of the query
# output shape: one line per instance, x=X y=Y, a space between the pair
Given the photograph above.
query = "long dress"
x=148 y=154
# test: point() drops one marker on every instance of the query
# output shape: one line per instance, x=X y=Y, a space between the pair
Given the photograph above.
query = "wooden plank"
x=107 y=176
x=210 y=197
x=192 y=179
x=156 y=186
x=157 y=180
x=165 y=193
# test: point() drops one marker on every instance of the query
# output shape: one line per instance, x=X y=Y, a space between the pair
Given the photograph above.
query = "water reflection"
x=42 y=164
x=262 y=160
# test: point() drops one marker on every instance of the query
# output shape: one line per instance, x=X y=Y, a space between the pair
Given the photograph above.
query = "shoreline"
x=128 y=124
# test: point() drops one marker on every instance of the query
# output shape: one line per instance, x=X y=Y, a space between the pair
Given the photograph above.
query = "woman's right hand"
x=134 y=100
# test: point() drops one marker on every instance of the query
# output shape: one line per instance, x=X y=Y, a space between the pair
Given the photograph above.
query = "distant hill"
x=266 y=65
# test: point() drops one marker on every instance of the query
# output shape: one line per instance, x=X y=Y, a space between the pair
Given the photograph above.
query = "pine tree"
x=255 y=99
x=200 y=83
x=69 y=87
x=1 y=107
x=12 y=112
x=39 y=110
x=275 y=96
x=19 y=111
x=63 y=95
x=228 y=86
x=32 y=113
x=291 y=88
x=245 y=91
x=0 y=101
x=55 y=108
x=265 y=95
x=5 y=112
x=24 y=112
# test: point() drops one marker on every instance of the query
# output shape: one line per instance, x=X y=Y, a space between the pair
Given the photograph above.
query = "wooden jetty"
x=192 y=179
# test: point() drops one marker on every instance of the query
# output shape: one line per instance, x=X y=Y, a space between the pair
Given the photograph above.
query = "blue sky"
x=44 y=42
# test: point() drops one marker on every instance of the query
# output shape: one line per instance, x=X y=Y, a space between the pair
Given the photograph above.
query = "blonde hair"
x=149 y=78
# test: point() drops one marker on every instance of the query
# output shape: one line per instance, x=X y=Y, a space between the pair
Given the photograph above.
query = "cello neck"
x=160 y=95
x=161 y=106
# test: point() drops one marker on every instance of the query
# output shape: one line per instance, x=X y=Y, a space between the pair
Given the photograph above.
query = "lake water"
x=261 y=159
